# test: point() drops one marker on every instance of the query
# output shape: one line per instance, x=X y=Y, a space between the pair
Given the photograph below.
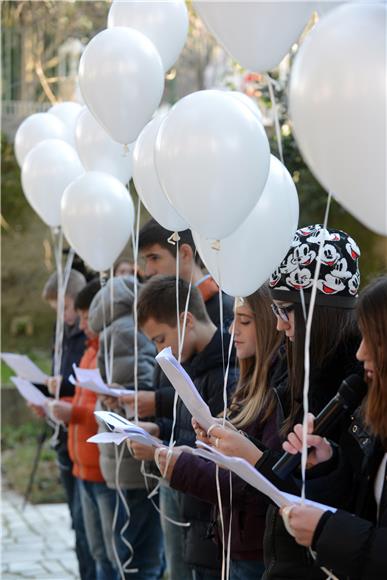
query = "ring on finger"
x=286 y=511
x=216 y=441
x=157 y=457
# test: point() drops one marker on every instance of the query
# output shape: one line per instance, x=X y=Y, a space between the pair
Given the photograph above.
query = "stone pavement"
x=36 y=543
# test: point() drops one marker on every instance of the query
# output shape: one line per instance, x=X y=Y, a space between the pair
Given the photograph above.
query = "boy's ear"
x=190 y=320
x=186 y=253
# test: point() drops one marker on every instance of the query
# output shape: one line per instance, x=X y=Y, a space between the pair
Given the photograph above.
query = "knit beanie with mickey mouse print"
x=339 y=277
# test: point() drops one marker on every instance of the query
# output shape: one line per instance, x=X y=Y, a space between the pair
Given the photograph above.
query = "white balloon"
x=325 y=6
x=164 y=23
x=121 y=77
x=68 y=113
x=33 y=130
x=212 y=158
x=97 y=218
x=338 y=107
x=47 y=170
x=256 y=34
x=147 y=182
x=248 y=101
x=98 y=151
x=248 y=257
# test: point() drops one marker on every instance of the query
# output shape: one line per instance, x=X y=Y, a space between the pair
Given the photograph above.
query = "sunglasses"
x=282 y=312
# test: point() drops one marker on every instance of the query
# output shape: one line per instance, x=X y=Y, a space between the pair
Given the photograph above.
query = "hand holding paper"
x=91 y=379
x=122 y=429
x=29 y=392
x=252 y=476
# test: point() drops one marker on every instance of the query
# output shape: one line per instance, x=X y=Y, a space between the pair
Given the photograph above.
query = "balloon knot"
x=103 y=278
x=125 y=150
x=173 y=238
x=216 y=245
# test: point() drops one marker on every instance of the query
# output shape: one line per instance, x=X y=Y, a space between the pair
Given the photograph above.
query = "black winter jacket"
x=284 y=558
x=355 y=546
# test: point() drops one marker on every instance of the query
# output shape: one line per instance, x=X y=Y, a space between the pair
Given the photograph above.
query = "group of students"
x=127 y=527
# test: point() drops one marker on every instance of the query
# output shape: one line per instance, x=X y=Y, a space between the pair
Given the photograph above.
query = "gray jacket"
x=119 y=332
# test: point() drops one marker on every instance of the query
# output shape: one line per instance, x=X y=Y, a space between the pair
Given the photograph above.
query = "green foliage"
x=13 y=200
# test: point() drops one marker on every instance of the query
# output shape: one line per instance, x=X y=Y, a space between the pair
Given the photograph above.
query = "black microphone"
x=349 y=396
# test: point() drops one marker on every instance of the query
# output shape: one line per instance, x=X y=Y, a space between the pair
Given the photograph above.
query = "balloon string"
x=62 y=281
x=135 y=243
x=274 y=107
x=308 y=331
x=226 y=547
x=107 y=348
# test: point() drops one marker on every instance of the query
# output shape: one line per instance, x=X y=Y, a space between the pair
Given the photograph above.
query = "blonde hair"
x=254 y=397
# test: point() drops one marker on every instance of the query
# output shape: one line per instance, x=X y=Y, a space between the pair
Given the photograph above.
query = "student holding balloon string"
x=252 y=408
x=116 y=329
x=190 y=552
x=352 y=546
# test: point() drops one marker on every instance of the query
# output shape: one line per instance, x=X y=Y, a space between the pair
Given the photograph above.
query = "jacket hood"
x=123 y=298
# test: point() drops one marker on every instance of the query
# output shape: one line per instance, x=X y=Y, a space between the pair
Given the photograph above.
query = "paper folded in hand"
x=122 y=429
x=91 y=379
x=185 y=388
x=252 y=476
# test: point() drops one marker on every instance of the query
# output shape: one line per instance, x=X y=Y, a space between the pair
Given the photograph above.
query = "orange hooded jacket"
x=85 y=456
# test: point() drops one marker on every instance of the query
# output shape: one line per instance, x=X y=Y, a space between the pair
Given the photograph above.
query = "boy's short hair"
x=85 y=296
x=76 y=282
x=153 y=233
x=157 y=300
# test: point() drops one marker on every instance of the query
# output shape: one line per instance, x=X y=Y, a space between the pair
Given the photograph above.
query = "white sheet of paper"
x=185 y=388
x=252 y=476
x=91 y=379
x=108 y=437
x=30 y=392
x=124 y=427
x=24 y=367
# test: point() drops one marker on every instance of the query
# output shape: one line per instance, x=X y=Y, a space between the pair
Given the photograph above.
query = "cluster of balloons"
x=206 y=164
x=337 y=103
x=77 y=160
x=337 y=90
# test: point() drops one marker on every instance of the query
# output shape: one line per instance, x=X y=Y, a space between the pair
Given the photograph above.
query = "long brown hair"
x=253 y=397
x=372 y=316
x=331 y=327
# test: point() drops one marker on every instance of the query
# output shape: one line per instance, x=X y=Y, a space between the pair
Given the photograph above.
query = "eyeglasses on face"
x=282 y=312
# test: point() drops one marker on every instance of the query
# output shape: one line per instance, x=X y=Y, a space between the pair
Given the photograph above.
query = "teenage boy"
x=202 y=357
x=74 y=341
x=160 y=256
x=78 y=414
